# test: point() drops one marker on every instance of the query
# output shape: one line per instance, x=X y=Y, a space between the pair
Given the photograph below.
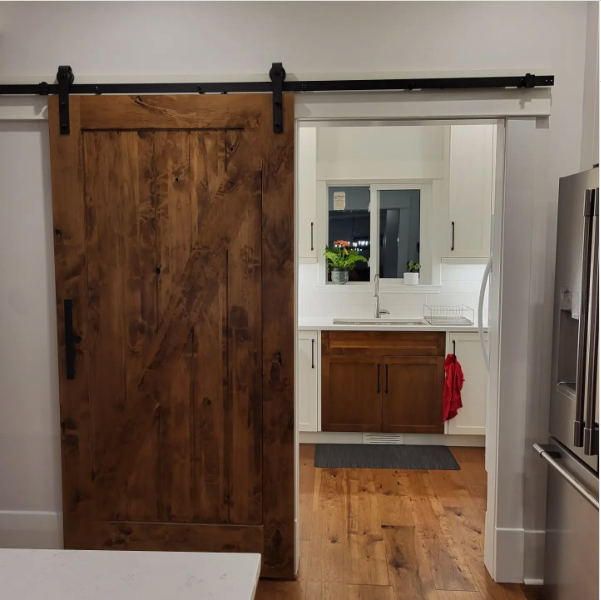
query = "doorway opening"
x=412 y=197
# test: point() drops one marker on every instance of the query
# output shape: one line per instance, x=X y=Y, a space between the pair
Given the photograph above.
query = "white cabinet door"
x=471 y=419
x=307 y=193
x=307 y=380
x=471 y=175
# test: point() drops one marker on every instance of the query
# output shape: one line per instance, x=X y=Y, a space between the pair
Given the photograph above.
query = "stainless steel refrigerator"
x=572 y=449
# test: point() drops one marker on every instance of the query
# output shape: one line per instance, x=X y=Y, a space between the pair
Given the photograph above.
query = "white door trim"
x=523 y=114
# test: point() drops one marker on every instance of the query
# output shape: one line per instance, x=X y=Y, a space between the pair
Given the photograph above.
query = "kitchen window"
x=385 y=222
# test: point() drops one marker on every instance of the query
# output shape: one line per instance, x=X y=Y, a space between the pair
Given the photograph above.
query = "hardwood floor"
x=393 y=535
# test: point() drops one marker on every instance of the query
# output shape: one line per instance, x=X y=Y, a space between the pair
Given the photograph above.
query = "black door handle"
x=312 y=354
x=312 y=246
x=386 y=389
x=71 y=340
x=452 y=235
x=378 y=378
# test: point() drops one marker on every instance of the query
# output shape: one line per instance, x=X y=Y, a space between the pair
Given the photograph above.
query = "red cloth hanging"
x=451 y=397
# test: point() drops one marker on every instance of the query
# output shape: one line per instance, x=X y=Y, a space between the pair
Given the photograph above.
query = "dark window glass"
x=348 y=220
x=399 y=231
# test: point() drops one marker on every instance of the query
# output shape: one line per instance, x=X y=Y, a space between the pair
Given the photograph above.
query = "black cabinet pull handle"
x=452 y=235
x=386 y=390
x=312 y=354
x=71 y=340
x=378 y=378
x=312 y=245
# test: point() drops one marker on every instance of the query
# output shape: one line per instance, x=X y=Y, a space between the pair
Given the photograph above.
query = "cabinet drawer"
x=383 y=343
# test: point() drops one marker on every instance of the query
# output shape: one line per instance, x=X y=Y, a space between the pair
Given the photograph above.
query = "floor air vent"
x=382 y=438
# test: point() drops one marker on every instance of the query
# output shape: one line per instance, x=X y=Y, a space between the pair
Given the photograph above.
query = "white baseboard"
x=419 y=439
x=509 y=555
x=29 y=529
x=533 y=581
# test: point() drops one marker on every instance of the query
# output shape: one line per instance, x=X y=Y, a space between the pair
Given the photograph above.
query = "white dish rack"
x=458 y=314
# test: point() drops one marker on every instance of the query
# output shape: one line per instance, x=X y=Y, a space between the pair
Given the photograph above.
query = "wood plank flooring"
x=393 y=535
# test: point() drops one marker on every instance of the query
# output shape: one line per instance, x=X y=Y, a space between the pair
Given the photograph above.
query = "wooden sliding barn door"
x=174 y=237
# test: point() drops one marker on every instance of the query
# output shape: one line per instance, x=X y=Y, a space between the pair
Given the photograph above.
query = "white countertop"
x=120 y=575
x=327 y=324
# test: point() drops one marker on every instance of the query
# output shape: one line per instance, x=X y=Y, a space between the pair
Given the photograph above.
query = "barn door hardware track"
x=277 y=86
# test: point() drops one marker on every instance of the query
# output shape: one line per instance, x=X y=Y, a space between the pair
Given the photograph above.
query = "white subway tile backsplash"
x=460 y=285
x=467 y=272
x=445 y=272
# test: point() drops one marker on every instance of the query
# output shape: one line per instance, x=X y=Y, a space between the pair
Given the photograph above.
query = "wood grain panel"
x=244 y=357
x=211 y=408
x=177 y=537
x=278 y=292
x=143 y=484
x=238 y=111
x=70 y=262
x=186 y=233
x=174 y=243
x=366 y=542
x=351 y=393
x=412 y=398
x=394 y=505
x=382 y=343
x=410 y=575
x=448 y=564
x=106 y=199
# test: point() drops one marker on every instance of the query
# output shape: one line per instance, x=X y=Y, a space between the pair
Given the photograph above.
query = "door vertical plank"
x=279 y=487
x=68 y=208
x=174 y=239
x=141 y=250
x=244 y=357
x=105 y=207
x=210 y=475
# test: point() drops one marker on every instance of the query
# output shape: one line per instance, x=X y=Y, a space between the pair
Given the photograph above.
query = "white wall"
x=590 y=108
x=30 y=496
x=380 y=153
x=177 y=40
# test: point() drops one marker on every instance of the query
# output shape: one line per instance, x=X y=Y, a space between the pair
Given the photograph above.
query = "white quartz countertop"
x=120 y=575
x=327 y=324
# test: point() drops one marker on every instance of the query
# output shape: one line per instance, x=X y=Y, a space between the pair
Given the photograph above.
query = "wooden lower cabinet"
x=364 y=388
x=412 y=398
x=351 y=393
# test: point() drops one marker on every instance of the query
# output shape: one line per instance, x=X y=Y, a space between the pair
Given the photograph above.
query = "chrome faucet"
x=377 y=312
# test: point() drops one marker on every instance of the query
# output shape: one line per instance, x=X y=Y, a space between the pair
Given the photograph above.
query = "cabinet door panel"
x=351 y=393
x=471 y=419
x=412 y=398
x=307 y=381
x=307 y=193
x=470 y=190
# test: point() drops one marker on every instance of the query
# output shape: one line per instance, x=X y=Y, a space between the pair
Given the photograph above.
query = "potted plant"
x=411 y=276
x=341 y=260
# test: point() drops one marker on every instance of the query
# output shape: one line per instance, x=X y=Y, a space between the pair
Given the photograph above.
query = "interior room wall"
x=30 y=496
x=200 y=41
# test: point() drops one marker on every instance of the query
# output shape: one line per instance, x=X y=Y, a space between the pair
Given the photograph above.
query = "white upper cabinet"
x=307 y=193
x=471 y=184
x=471 y=419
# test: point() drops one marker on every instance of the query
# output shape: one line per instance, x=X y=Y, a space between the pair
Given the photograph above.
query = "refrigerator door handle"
x=582 y=322
x=485 y=352
x=552 y=458
x=591 y=442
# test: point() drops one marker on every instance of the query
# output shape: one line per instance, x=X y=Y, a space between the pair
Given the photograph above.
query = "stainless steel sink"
x=382 y=322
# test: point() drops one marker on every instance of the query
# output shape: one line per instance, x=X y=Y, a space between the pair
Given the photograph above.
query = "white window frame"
x=426 y=225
